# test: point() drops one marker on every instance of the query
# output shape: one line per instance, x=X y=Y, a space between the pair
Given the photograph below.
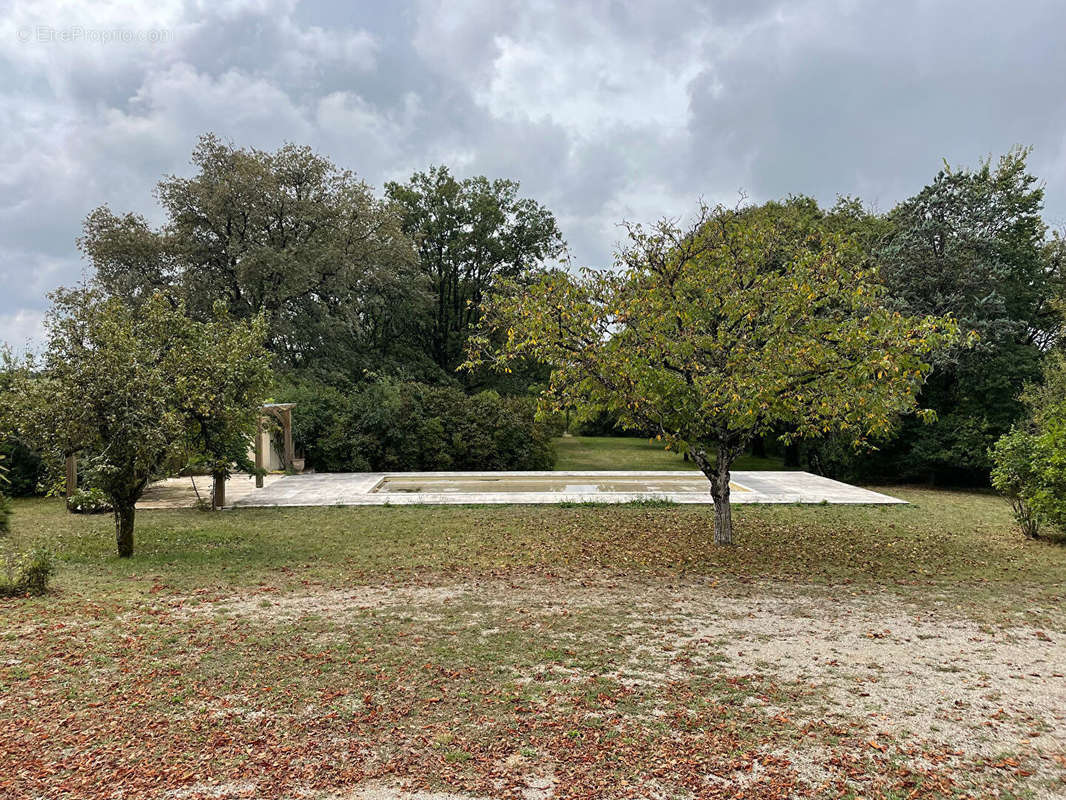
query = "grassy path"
x=624 y=452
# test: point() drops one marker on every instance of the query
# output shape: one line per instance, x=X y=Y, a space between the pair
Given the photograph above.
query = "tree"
x=132 y=387
x=1029 y=462
x=219 y=397
x=972 y=244
x=710 y=338
x=471 y=234
x=286 y=234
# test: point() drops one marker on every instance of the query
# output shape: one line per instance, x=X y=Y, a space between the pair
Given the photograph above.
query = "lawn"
x=625 y=452
x=535 y=652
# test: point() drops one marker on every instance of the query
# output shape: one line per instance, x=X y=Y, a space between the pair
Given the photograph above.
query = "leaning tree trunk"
x=718 y=474
x=124 y=513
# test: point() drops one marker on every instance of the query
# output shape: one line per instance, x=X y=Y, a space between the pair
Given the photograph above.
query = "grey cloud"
x=604 y=110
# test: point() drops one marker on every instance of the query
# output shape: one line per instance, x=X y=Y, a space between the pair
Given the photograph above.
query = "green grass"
x=629 y=453
x=956 y=542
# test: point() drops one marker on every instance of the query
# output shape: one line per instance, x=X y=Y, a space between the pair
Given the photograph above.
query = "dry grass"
x=536 y=652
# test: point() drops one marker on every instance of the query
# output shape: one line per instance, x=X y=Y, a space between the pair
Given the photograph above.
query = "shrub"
x=388 y=425
x=28 y=574
x=1030 y=461
x=89 y=501
x=1014 y=473
x=26 y=468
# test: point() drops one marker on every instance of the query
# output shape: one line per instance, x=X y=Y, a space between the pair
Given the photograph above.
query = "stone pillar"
x=286 y=428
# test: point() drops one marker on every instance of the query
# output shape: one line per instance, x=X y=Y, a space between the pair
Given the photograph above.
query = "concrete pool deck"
x=476 y=488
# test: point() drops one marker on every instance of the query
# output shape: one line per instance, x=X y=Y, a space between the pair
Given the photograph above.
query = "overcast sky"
x=603 y=111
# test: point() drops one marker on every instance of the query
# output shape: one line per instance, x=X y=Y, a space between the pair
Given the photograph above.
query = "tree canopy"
x=716 y=333
x=471 y=234
x=133 y=387
x=972 y=244
x=285 y=234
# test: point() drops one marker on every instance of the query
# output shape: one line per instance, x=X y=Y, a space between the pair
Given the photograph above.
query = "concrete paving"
x=457 y=488
x=186 y=492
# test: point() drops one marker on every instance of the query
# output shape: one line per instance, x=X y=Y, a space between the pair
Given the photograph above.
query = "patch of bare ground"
x=916 y=673
x=336 y=604
x=539 y=787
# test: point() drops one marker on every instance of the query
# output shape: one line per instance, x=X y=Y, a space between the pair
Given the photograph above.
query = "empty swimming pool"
x=449 y=488
x=518 y=483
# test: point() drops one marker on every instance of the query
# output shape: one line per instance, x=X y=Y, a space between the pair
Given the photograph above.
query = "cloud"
x=604 y=109
x=23 y=330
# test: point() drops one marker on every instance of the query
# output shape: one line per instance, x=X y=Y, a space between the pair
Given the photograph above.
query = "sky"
x=603 y=110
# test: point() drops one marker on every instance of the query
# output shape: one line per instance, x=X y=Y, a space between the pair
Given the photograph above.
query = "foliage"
x=26 y=471
x=285 y=234
x=28 y=574
x=1030 y=461
x=383 y=424
x=219 y=397
x=713 y=335
x=129 y=386
x=89 y=501
x=23 y=468
x=971 y=244
x=471 y=234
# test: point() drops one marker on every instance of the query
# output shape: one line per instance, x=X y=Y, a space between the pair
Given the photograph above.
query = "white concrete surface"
x=456 y=488
x=185 y=492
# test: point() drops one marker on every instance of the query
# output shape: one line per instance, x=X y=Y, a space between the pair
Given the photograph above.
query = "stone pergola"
x=282 y=412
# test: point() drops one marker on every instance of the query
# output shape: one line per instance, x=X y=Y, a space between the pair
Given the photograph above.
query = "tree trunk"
x=723 y=512
x=718 y=474
x=218 y=490
x=124 y=529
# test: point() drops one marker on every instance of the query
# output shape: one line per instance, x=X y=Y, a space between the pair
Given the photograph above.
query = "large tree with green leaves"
x=286 y=234
x=132 y=387
x=972 y=244
x=712 y=335
x=471 y=234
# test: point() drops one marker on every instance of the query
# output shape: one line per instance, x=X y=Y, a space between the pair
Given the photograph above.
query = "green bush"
x=1014 y=474
x=26 y=468
x=28 y=574
x=89 y=501
x=1029 y=463
x=388 y=425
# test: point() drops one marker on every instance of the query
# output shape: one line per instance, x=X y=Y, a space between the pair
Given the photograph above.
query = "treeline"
x=348 y=281
x=971 y=244
x=369 y=301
